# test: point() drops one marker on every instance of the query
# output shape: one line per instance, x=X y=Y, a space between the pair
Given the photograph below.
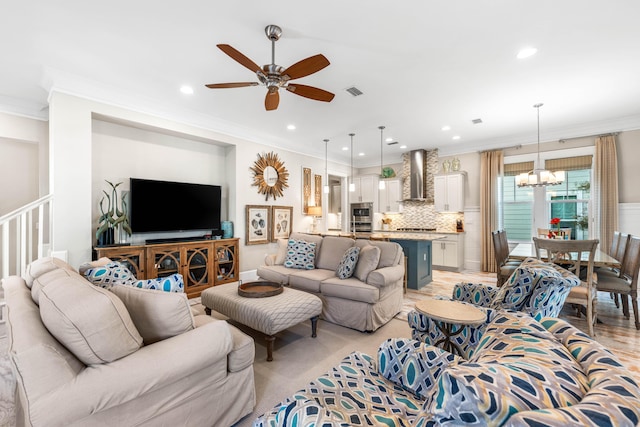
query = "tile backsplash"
x=420 y=214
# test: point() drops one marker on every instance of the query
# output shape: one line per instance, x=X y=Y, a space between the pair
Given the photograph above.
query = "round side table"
x=445 y=314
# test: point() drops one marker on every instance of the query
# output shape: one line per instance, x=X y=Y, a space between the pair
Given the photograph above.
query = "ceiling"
x=420 y=65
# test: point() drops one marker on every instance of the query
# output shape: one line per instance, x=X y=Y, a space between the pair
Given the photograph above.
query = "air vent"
x=392 y=143
x=354 y=91
x=476 y=121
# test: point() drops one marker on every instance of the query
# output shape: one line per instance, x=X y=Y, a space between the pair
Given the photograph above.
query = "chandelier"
x=539 y=177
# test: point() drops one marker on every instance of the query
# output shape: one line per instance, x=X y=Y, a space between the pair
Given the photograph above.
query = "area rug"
x=7 y=386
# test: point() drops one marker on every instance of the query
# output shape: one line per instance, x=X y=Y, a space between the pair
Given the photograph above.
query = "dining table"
x=528 y=250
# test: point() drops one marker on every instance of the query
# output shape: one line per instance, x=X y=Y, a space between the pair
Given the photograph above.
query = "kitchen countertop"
x=405 y=236
x=386 y=235
x=417 y=232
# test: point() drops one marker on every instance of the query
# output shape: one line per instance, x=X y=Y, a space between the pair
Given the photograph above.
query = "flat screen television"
x=173 y=206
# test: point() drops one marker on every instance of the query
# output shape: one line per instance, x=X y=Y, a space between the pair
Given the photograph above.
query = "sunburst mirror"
x=270 y=175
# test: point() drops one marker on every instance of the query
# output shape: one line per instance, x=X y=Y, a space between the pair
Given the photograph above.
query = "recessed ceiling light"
x=345 y=148
x=445 y=128
x=360 y=154
x=389 y=139
x=526 y=52
x=456 y=137
x=187 y=90
x=403 y=147
x=291 y=127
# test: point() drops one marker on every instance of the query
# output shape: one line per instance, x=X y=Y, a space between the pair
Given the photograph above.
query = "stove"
x=416 y=229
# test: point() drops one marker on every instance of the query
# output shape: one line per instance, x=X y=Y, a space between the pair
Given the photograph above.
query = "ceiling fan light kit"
x=274 y=76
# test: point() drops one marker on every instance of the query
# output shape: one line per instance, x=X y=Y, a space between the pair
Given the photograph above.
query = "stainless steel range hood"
x=417 y=171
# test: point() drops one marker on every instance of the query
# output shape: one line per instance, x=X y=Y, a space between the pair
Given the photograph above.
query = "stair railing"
x=26 y=234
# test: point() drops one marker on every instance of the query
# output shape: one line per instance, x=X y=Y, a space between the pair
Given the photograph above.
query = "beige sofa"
x=80 y=359
x=363 y=303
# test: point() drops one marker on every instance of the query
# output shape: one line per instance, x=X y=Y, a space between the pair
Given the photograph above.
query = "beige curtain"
x=605 y=186
x=491 y=169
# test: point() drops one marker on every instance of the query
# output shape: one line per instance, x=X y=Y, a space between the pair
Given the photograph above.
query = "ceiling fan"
x=274 y=76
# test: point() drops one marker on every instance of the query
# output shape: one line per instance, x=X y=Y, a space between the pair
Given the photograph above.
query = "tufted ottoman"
x=268 y=315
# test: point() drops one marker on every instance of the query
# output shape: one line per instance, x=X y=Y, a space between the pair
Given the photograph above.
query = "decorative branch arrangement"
x=113 y=216
x=270 y=175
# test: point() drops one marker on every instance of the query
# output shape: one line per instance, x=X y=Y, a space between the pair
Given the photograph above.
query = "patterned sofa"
x=536 y=288
x=366 y=300
x=523 y=373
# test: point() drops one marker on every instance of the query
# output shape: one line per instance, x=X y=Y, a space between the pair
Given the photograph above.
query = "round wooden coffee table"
x=445 y=314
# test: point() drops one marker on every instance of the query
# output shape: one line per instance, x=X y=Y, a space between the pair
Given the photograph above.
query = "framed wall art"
x=306 y=189
x=258 y=218
x=281 y=222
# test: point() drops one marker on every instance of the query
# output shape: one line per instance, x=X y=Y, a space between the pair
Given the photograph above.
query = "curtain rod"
x=563 y=140
x=513 y=147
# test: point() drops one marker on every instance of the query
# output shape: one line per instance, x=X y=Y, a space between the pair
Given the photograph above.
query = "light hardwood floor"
x=614 y=331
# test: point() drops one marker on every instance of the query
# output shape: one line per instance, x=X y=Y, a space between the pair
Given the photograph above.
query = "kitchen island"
x=417 y=249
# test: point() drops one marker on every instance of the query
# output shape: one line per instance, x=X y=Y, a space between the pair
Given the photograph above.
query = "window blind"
x=513 y=169
x=568 y=163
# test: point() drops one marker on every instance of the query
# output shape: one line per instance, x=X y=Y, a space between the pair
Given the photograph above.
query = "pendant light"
x=326 y=175
x=539 y=177
x=381 y=183
x=352 y=185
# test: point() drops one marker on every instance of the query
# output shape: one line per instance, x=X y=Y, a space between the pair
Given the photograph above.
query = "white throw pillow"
x=281 y=255
x=157 y=315
x=367 y=262
x=91 y=322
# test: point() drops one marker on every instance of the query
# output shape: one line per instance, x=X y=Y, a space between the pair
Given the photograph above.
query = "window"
x=525 y=209
x=517 y=210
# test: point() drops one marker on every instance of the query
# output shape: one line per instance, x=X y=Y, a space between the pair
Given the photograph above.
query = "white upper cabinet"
x=390 y=196
x=449 y=191
x=366 y=189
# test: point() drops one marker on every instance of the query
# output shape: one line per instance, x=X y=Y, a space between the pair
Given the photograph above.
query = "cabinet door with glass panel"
x=192 y=260
x=226 y=261
x=132 y=257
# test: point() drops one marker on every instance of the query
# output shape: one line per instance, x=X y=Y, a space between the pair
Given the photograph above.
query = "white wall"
x=18 y=178
x=83 y=132
x=23 y=161
x=120 y=152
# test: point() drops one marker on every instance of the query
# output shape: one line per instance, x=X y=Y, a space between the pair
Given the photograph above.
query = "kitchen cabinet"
x=389 y=198
x=366 y=187
x=449 y=191
x=448 y=252
x=418 y=254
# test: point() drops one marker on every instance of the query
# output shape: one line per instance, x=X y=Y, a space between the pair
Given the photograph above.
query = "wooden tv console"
x=202 y=263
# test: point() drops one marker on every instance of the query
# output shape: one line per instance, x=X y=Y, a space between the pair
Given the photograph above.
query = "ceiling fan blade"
x=307 y=66
x=272 y=100
x=239 y=57
x=230 y=85
x=310 y=92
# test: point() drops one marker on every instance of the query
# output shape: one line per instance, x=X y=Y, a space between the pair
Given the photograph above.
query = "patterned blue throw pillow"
x=112 y=273
x=348 y=263
x=173 y=283
x=300 y=254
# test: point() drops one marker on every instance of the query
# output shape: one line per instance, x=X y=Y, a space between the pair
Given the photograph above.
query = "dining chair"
x=626 y=284
x=617 y=250
x=505 y=266
x=569 y=254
